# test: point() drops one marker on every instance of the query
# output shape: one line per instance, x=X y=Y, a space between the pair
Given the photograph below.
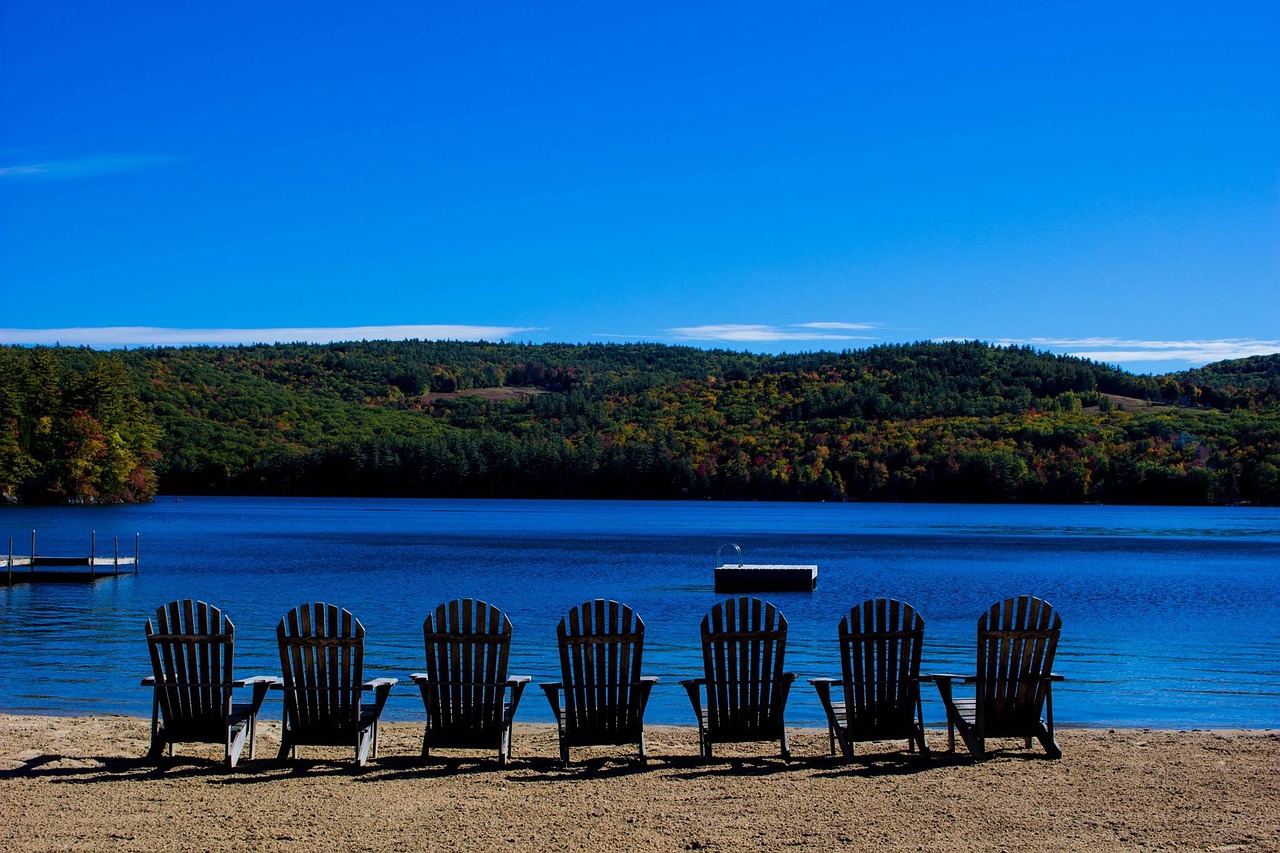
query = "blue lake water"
x=1171 y=615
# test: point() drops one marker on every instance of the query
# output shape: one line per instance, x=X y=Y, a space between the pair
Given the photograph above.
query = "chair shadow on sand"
x=116 y=768
x=100 y=769
x=113 y=768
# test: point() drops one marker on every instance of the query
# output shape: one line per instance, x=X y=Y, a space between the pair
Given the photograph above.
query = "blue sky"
x=1095 y=178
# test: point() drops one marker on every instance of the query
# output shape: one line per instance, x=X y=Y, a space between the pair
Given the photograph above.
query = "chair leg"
x=1049 y=741
x=157 y=745
x=156 y=752
x=644 y=755
x=972 y=735
x=846 y=747
x=364 y=743
x=1050 y=744
x=918 y=733
x=236 y=737
x=786 y=747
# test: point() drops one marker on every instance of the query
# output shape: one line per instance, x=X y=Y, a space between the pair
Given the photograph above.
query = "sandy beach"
x=80 y=784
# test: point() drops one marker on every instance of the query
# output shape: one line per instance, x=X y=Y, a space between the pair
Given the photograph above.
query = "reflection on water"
x=1170 y=614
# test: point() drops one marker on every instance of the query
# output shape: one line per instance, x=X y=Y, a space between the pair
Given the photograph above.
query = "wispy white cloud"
x=120 y=336
x=850 y=326
x=1126 y=350
x=84 y=167
x=756 y=333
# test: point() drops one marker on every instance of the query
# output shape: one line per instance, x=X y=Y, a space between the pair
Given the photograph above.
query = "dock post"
x=116 y=541
x=93 y=549
x=136 y=537
x=31 y=567
x=10 y=579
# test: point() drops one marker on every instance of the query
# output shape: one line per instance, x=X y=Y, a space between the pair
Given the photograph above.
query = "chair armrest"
x=516 y=684
x=261 y=684
x=784 y=691
x=646 y=687
x=418 y=678
x=1053 y=676
x=943 y=681
x=552 y=689
x=381 y=688
x=823 y=686
x=946 y=676
x=149 y=681
x=693 y=686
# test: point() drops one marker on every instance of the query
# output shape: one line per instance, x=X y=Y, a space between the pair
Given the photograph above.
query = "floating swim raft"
x=44 y=569
x=764 y=577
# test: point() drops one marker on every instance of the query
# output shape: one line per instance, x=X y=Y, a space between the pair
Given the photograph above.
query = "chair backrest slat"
x=468 y=644
x=191 y=645
x=743 y=653
x=1017 y=641
x=601 y=646
x=322 y=661
x=880 y=647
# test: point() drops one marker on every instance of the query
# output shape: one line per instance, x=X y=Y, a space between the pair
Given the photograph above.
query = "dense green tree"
x=72 y=428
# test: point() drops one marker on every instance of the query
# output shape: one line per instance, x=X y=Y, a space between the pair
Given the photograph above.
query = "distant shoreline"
x=179 y=497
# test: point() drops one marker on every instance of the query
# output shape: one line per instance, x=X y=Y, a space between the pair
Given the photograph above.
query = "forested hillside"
x=72 y=428
x=947 y=422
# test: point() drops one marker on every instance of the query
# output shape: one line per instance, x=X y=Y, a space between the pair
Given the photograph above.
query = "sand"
x=80 y=784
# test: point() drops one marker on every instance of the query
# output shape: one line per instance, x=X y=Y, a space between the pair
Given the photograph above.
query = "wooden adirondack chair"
x=744 y=643
x=322 y=659
x=469 y=700
x=601 y=696
x=880 y=645
x=1017 y=639
x=192 y=649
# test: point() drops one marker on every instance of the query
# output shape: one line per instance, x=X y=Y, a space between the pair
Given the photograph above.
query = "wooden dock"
x=44 y=569
x=766 y=578
x=773 y=577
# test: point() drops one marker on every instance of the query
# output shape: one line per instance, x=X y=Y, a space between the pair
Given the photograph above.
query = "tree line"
x=912 y=422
